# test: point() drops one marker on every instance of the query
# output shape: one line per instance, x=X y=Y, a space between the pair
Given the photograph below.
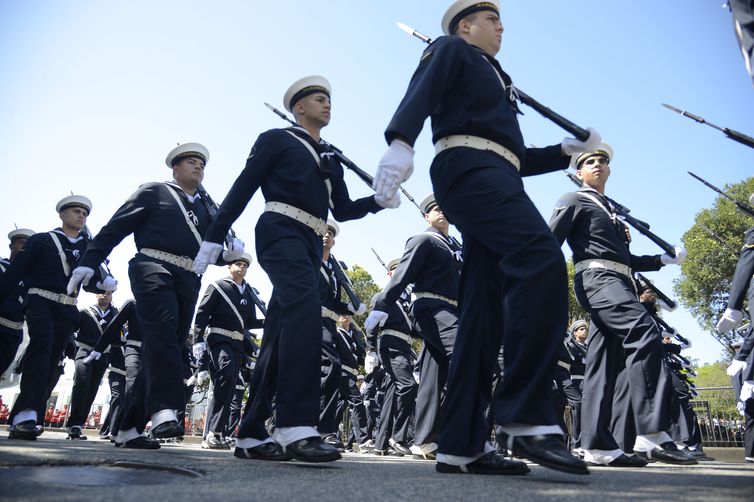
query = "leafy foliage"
x=575 y=312
x=712 y=246
x=364 y=287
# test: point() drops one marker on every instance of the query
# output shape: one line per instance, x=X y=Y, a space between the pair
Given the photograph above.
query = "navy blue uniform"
x=87 y=376
x=351 y=350
x=51 y=324
x=290 y=253
x=331 y=370
x=165 y=293
x=396 y=359
x=510 y=256
x=431 y=262
x=11 y=322
x=622 y=335
x=230 y=308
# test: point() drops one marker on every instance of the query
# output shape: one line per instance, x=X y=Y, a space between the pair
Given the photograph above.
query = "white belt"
x=11 y=324
x=577 y=377
x=117 y=370
x=235 y=335
x=350 y=370
x=419 y=294
x=326 y=312
x=397 y=334
x=183 y=262
x=606 y=264
x=240 y=387
x=458 y=140
x=56 y=297
x=319 y=226
x=133 y=343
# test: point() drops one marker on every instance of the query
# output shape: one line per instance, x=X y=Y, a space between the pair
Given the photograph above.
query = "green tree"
x=364 y=287
x=721 y=401
x=575 y=311
x=712 y=246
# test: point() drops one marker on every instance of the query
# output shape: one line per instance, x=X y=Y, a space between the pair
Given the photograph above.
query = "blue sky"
x=94 y=94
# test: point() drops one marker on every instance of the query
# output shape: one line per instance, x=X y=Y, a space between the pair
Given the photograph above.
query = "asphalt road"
x=55 y=469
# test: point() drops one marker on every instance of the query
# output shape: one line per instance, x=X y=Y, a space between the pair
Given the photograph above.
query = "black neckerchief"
x=327 y=158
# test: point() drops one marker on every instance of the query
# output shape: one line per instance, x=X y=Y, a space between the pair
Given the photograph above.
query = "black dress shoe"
x=622 y=461
x=75 y=432
x=489 y=463
x=265 y=451
x=169 y=429
x=141 y=443
x=667 y=453
x=24 y=430
x=312 y=449
x=214 y=443
x=401 y=448
x=548 y=451
x=334 y=441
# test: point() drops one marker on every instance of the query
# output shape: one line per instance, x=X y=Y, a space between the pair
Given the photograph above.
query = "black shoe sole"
x=315 y=459
x=456 y=469
x=554 y=465
x=23 y=436
x=275 y=458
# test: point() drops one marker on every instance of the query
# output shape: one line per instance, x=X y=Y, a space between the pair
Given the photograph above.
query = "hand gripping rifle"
x=730 y=133
x=639 y=225
x=562 y=122
x=363 y=175
x=741 y=206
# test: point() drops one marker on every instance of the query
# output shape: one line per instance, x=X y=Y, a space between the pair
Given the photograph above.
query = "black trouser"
x=50 y=326
x=622 y=424
x=225 y=359
x=289 y=362
x=513 y=276
x=622 y=333
x=573 y=393
x=165 y=299
x=330 y=377
x=9 y=342
x=350 y=395
x=86 y=381
x=132 y=357
x=436 y=323
x=749 y=429
x=400 y=396
x=236 y=403
x=117 y=388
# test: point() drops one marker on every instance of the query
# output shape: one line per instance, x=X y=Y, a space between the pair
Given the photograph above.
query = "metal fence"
x=720 y=423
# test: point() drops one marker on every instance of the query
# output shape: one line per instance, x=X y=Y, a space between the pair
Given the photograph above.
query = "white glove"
x=417 y=377
x=201 y=377
x=366 y=403
x=198 y=349
x=728 y=321
x=234 y=251
x=747 y=391
x=680 y=256
x=252 y=365
x=208 y=253
x=93 y=356
x=571 y=146
x=191 y=381
x=108 y=285
x=359 y=311
x=80 y=275
x=735 y=367
x=395 y=167
x=375 y=318
x=664 y=306
x=740 y=406
x=389 y=203
x=370 y=362
x=686 y=345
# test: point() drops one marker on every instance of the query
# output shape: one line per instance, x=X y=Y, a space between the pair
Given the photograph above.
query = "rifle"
x=741 y=206
x=562 y=122
x=212 y=209
x=718 y=238
x=672 y=305
x=639 y=225
x=346 y=282
x=730 y=133
x=380 y=260
x=258 y=301
x=363 y=175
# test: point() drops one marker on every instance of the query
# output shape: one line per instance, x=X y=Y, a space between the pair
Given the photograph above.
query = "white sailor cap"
x=245 y=257
x=462 y=8
x=576 y=325
x=20 y=232
x=604 y=149
x=185 y=151
x=393 y=264
x=74 y=201
x=428 y=203
x=304 y=87
x=332 y=225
